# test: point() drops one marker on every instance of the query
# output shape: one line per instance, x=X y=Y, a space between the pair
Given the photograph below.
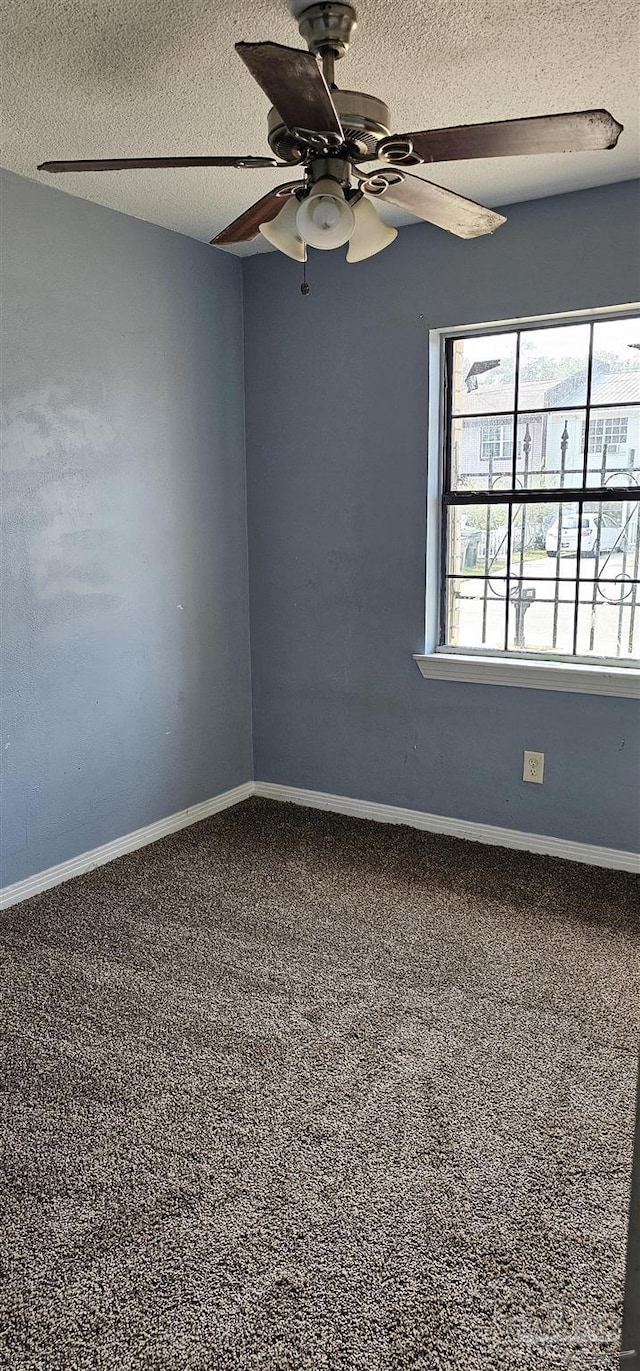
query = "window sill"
x=578 y=679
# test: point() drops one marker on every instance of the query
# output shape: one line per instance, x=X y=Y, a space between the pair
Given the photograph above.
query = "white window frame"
x=601 y=429
x=446 y=663
x=504 y=440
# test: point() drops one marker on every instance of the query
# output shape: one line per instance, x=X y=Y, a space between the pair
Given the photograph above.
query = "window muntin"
x=541 y=516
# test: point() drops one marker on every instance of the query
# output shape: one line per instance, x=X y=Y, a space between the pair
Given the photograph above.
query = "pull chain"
x=305 y=287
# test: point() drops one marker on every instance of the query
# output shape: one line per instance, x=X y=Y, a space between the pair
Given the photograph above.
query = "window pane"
x=476 y=610
x=542 y=531
x=482 y=453
x=614 y=447
x=541 y=614
x=550 y=449
x=609 y=542
x=478 y=540
x=539 y=595
x=484 y=374
x=553 y=366
x=616 y=362
x=566 y=532
x=609 y=619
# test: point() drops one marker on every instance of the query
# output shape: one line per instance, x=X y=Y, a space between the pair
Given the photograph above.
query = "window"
x=607 y=433
x=539 y=498
x=495 y=443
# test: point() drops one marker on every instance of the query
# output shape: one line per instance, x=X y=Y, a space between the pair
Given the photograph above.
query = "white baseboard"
x=456 y=828
x=99 y=856
x=317 y=799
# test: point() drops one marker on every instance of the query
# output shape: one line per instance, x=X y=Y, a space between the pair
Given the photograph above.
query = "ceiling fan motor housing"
x=328 y=27
x=364 y=118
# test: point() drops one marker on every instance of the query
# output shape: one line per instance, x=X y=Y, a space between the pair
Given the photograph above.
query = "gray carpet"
x=289 y=1090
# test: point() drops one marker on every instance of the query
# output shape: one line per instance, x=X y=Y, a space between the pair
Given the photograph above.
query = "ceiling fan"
x=334 y=135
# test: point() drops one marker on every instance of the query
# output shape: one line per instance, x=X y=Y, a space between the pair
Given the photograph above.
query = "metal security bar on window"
x=541 y=492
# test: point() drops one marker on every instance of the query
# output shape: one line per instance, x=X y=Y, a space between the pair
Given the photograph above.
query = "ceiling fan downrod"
x=327 y=29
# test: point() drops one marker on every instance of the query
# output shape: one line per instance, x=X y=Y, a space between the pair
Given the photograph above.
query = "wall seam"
x=247 y=499
x=246 y=520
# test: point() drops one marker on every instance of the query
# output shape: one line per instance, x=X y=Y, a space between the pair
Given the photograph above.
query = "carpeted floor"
x=289 y=1090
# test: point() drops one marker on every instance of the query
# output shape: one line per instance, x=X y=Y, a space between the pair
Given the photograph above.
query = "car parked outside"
x=600 y=533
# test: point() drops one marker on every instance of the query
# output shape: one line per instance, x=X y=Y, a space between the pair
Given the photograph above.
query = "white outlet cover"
x=533 y=767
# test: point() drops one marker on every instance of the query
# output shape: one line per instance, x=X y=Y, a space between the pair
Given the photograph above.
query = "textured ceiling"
x=102 y=78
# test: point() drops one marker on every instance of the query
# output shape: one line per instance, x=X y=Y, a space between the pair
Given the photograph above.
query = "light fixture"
x=282 y=232
x=324 y=219
x=370 y=234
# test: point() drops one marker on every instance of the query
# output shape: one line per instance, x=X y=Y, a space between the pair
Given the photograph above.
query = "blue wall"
x=126 y=684
x=126 y=689
x=336 y=388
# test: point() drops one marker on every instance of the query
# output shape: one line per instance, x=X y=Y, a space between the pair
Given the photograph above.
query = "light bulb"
x=282 y=233
x=370 y=234
x=324 y=219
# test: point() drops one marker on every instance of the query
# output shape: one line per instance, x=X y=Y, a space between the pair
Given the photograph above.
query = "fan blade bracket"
x=320 y=143
x=378 y=182
x=398 y=152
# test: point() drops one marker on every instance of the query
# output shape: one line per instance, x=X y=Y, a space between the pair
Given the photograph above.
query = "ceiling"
x=102 y=78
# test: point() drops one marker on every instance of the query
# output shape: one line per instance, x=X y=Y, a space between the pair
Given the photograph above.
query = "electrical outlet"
x=533 y=768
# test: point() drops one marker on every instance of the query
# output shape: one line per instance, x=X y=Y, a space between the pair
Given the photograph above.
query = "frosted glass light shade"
x=324 y=219
x=370 y=235
x=282 y=233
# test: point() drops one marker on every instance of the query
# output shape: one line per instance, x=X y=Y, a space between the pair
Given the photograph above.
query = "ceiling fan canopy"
x=342 y=142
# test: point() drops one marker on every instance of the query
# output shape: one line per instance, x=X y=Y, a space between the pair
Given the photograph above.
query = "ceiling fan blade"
x=131 y=163
x=293 y=82
x=585 y=131
x=433 y=203
x=246 y=227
